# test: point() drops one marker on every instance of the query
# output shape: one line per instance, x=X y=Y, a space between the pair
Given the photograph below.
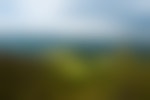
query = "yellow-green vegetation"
x=67 y=64
x=62 y=74
x=118 y=75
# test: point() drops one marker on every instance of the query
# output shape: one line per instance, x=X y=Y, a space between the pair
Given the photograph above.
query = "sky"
x=77 y=17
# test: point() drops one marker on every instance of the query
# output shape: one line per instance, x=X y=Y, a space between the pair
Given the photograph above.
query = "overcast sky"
x=106 y=17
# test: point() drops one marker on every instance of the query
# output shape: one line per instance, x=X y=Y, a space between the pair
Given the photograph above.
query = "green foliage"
x=62 y=74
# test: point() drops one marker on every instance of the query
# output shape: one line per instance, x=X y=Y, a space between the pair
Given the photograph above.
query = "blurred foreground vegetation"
x=69 y=74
